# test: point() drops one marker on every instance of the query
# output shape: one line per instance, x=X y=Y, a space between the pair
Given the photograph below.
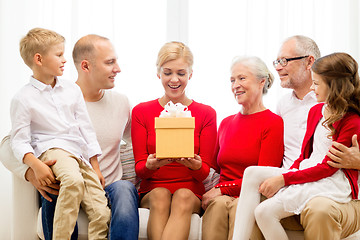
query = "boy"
x=50 y=121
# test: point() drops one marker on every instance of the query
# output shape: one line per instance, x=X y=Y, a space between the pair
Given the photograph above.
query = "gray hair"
x=305 y=46
x=258 y=68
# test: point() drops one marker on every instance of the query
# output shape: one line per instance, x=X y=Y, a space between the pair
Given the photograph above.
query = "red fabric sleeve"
x=271 y=154
x=345 y=129
x=139 y=139
x=207 y=143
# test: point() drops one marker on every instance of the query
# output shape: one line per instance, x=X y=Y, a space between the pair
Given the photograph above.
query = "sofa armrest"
x=25 y=210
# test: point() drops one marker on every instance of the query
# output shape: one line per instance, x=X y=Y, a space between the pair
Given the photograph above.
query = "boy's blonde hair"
x=38 y=40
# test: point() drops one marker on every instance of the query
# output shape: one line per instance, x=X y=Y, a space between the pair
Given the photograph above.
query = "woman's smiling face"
x=174 y=76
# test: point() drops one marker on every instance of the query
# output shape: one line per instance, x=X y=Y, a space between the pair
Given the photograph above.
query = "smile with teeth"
x=239 y=93
x=174 y=86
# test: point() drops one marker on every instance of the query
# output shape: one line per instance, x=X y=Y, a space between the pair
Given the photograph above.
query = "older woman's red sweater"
x=247 y=140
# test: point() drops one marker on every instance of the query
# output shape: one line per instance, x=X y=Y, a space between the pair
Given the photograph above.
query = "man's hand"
x=344 y=157
x=43 y=190
x=209 y=195
x=271 y=186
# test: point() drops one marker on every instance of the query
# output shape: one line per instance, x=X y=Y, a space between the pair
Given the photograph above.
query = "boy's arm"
x=43 y=173
x=95 y=164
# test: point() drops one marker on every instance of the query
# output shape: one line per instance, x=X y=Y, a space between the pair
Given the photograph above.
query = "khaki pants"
x=323 y=219
x=79 y=184
x=219 y=217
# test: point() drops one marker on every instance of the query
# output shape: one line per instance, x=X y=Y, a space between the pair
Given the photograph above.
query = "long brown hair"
x=339 y=71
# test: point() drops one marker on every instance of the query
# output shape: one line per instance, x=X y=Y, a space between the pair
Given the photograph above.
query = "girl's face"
x=319 y=87
x=174 y=76
x=246 y=88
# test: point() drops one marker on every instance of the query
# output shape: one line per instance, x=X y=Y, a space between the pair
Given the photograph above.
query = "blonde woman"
x=172 y=188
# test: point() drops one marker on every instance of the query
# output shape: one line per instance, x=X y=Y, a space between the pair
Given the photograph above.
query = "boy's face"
x=105 y=66
x=53 y=61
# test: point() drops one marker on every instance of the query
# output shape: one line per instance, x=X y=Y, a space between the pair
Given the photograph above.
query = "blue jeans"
x=47 y=217
x=123 y=199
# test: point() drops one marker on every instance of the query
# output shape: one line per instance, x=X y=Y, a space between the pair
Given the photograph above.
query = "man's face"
x=293 y=75
x=104 y=65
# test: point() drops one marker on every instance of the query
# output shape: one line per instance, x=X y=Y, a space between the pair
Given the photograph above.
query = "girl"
x=335 y=82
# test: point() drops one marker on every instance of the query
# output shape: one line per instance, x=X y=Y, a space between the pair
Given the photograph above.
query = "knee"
x=183 y=200
x=101 y=215
x=124 y=185
x=72 y=182
x=261 y=213
x=122 y=189
x=160 y=198
x=250 y=170
x=319 y=209
x=218 y=204
x=250 y=175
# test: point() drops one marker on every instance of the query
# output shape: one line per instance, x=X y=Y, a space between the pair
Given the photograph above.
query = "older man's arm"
x=345 y=157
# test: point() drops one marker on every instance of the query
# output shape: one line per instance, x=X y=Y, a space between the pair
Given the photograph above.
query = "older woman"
x=172 y=188
x=254 y=136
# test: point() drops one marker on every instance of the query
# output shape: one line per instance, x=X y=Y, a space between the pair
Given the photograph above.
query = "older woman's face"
x=174 y=76
x=246 y=88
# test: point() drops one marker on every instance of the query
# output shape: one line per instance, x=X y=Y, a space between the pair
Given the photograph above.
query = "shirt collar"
x=41 y=86
x=310 y=96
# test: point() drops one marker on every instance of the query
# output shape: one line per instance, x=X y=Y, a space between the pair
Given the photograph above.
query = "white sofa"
x=26 y=218
x=26 y=222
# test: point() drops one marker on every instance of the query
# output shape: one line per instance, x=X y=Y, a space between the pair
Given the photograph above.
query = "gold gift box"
x=174 y=137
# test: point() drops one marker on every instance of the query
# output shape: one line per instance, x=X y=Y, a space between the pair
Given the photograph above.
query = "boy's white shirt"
x=44 y=117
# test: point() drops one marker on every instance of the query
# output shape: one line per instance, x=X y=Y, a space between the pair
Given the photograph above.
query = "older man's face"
x=293 y=75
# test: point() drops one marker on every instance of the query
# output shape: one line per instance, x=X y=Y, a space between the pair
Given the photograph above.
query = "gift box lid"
x=188 y=122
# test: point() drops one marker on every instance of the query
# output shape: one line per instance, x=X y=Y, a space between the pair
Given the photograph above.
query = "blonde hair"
x=38 y=40
x=173 y=51
x=85 y=49
x=258 y=68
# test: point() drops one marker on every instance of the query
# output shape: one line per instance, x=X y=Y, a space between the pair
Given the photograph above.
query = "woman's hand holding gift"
x=194 y=163
x=153 y=163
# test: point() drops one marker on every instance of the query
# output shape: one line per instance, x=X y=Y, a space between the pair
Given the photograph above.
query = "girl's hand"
x=153 y=163
x=271 y=186
x=209 y=195
x=194 y=163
